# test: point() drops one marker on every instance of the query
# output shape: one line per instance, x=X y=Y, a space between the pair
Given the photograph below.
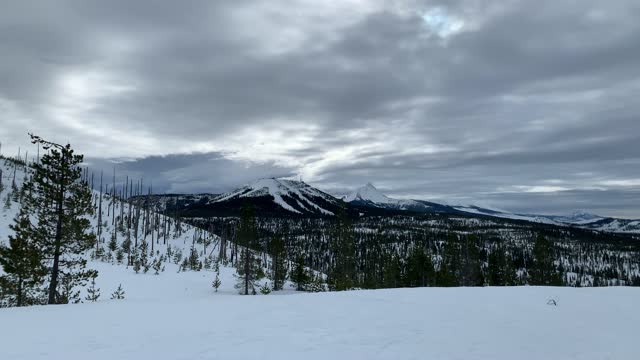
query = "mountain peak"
x=291 y=195
x=368 y=193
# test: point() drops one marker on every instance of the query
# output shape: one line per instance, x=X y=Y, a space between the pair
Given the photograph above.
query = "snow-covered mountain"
x=368 y=195
x=615 y=225
x=273 y=195
x=579 y=219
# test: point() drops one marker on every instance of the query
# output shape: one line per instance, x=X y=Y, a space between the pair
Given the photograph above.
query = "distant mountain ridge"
x=269 y=197
x=368 y=195
x=282 y=197
x=294 y=196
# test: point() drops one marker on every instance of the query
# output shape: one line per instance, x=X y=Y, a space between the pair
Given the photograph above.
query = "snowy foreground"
x=189 y=321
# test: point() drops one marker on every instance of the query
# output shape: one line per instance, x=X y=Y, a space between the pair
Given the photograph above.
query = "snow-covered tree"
x=61 y=200
x=22 y=262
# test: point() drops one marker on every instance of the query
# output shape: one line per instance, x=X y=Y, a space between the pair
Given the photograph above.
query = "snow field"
x=161 y=321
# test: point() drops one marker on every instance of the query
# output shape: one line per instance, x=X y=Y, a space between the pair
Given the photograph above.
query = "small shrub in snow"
x=93 y=293
x=118 y=294
x=216 y=282
x=265 y=289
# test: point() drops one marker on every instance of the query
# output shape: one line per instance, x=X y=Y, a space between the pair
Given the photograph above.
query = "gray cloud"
x=523 y=106
x=193 y=173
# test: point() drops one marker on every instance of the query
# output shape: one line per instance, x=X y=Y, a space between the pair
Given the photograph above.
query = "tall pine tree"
x=420 y=271
x=300 y=277
x=278 y=262
x=62 y=203
x=543 y=271
x=248 y=266
x=500 y=270
x=342 y=273
x=470 y=270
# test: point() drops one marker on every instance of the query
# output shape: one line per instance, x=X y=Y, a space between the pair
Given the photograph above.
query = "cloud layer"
x=526 y=106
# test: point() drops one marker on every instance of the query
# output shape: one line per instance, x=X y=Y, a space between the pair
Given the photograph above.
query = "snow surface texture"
x=167 y=322
x=280 y=188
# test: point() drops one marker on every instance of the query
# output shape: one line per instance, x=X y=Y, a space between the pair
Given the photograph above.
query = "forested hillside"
x=124 y=235
x=447 y=250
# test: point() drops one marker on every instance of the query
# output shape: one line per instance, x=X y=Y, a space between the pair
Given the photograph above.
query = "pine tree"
x=248 y=267
x=392 y=272
x=342 y=273
x=316 y=284
x=22 y=262
x=278 y=262
x=135 y=261
x=62 y=203
x=118 y=294
x=420 y=271
x=143 y=251
x=265 y=289
x=67 y=293
x=448 y=273
x=193 y=260
x=157 y=266
x=113 y=242
x=93 y=293
x=126 y=249
x=119 y=256
x=216 y=282
x=299 y=276
x=543 y=271
x=470 y=270
x=500 y=271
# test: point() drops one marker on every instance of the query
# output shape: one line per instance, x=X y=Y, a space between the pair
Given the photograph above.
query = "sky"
x=527 y=106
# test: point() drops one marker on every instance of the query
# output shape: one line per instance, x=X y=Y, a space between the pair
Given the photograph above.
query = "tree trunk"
x=58 y=239
x=19 y=294
x=246 y=271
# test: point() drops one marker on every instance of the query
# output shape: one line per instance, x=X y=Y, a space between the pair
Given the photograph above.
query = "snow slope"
x=427 y=323
x=180 y=238
x=294 y=196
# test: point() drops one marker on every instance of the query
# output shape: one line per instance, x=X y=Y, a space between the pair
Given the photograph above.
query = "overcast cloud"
x=519 y=105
